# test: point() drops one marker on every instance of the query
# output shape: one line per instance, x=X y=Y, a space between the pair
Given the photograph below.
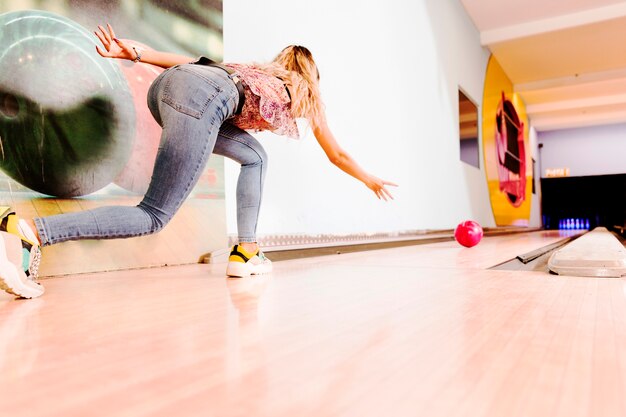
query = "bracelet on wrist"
x=138 y=55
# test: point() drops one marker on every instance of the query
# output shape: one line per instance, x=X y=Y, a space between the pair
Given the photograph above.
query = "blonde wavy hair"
x=295 y=66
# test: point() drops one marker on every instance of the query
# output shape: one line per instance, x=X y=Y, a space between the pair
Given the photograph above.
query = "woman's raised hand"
x=380 y=187
x=113 y=47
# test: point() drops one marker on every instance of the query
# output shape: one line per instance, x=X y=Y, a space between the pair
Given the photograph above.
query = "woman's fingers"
x=106 y=45
x=101 y=53
x=385 y=194
x=111 y=32
x=386 y=191
x=378 y=186
x=381 y=193
x=113 y=46
x=123 y=46
x=106 y=34
x=100 y=34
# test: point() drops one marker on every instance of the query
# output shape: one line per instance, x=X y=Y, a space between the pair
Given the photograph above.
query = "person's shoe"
x=20 y=255
x=243 y=264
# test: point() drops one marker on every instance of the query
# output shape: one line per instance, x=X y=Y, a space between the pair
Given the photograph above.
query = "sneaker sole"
x=241 y=270
x=15 y=281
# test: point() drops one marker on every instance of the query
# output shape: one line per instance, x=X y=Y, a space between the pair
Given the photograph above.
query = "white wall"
x=598 y=150
x=389 y=76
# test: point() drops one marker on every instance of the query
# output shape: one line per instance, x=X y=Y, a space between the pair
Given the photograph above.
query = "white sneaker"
x=20 y=256
x=243 y=264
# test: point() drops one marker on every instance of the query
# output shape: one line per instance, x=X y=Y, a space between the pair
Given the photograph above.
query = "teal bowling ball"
x=67 y=117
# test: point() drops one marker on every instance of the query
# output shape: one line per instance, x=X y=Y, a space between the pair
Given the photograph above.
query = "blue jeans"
x=192 y=104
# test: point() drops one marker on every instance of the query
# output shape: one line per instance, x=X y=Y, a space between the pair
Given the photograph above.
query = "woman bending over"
x=203 y=108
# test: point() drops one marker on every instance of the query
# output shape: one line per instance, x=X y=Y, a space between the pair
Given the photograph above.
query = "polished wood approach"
x=426 y=330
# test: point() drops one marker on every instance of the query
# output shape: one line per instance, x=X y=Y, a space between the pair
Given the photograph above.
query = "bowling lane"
x=364 y=336
x=491 y=251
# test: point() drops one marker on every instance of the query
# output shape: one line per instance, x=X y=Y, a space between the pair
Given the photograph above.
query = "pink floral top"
x=267 y=105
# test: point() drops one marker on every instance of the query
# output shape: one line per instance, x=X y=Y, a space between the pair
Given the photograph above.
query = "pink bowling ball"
x=468 y=233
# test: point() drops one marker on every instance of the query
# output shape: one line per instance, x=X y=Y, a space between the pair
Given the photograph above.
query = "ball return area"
x=598 y=253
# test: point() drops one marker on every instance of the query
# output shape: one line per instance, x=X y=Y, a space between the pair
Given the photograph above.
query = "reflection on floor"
x=427 y=330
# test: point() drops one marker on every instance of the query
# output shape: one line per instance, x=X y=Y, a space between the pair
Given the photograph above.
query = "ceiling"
x=566 y=58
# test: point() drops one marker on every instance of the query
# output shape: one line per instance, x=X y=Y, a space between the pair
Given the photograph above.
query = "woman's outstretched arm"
x=115 y=48
x=344 y=161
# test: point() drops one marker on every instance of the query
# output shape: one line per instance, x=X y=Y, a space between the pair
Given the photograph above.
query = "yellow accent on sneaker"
x=256 y=263
x=237 y=251
x=17 y=226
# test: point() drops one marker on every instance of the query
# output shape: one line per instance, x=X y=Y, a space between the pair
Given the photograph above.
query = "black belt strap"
x=233 y=76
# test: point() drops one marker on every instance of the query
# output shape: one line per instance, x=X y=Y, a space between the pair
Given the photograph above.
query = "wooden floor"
x=417 y=331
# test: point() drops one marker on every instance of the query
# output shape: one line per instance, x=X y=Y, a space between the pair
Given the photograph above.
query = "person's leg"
x=243 y=148
x=190 y=102
x=236 y=144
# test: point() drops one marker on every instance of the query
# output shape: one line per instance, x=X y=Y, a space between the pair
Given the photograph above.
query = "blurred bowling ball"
x=468 y=233
x=137 y=173
x=66 y=114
